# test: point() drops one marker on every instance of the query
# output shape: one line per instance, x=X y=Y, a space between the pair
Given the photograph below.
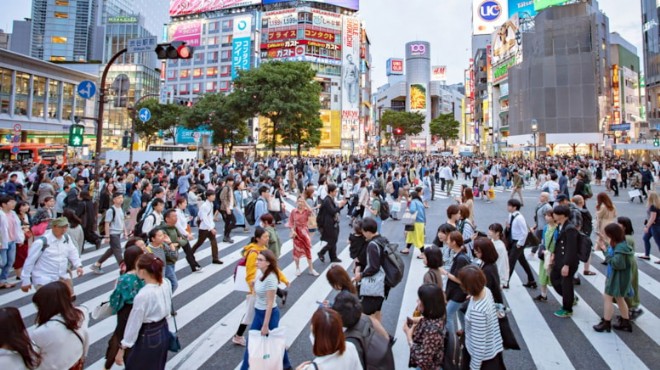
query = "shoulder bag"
x=374 y=285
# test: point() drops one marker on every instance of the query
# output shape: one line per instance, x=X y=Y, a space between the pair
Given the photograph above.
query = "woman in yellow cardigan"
x=251 y=251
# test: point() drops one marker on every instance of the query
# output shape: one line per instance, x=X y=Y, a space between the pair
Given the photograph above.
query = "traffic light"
x=398 y=131
x=174 y=50
x=656 y=142
x=125 y=140
x=76 y=133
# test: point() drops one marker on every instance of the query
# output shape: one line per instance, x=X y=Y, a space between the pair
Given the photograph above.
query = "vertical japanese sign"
x=240 y=55
x=350 y=81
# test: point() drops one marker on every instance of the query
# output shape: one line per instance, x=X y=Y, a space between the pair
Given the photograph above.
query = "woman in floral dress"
x=302 y=242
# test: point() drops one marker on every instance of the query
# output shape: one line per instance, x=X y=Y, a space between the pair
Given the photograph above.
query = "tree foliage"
x=163 y=118
x=410 y=123
x=222 y=115
x=445 y=127
x=287 y=94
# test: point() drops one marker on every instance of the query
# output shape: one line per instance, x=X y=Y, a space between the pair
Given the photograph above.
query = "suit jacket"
x=566 y=247
x=563 y=185
x=329 y=224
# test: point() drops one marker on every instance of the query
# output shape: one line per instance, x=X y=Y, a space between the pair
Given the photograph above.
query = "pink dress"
x=302 y=242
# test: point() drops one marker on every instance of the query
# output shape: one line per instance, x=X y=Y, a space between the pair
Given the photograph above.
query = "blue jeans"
x=7 y=257
x=379 y=222
x=170 y=274
x=654 y=232
x=193 y=210
x=453 y=309
x=257 y=323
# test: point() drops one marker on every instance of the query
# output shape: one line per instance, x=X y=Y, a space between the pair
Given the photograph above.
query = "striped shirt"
x=482 y=331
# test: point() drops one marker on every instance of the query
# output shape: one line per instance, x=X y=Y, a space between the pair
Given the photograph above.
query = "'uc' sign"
x=489 y=10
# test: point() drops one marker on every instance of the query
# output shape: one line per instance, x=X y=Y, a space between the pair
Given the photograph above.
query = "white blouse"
x=348 y=360
x=59 y=347
x=152 y=304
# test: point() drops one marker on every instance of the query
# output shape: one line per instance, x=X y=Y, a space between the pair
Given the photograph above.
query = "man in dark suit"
x=566 y=260
x=329 y=224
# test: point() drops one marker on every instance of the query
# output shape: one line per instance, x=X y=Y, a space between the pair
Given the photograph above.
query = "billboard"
x=183 y=7
x=350 y=81
x=241 y=44
x=187 y=136
x=321 y=18
x=394 y=66
x=542 y=4
x=524 y=8
x=331 y=131
x=439 y=73
x=417 y=97
x=281 y=18
x=349 y=4
x=189 y=32
x=488 y=14
x=504 y=41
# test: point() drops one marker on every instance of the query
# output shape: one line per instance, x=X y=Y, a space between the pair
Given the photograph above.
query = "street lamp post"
x=535 y=128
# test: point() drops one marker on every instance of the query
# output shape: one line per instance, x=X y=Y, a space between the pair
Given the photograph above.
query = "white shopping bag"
x=634 y=194
x=240 y=285
x=267 y=352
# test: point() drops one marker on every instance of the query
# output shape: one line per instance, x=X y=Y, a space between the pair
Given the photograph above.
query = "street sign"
x=17 y=127
x=142 y=45
x=144 y=115
x=17 y=139
x=15 y=149
x=86 y=89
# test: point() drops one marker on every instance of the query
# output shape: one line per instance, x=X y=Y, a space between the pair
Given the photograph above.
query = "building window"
x=224 y=86
x=68 y=95
x=62 y=2
x=22 y=93
x=224 y=71
x=185 y=73
x=226 y=54
x=184 y=89
x=211 y=71
x=61 y=15
x=197 y=72
x=38 y=96
x=227 y=39
x=58 y=40
x=227 y=25
x=5 y=90
x=212 y=57
x=213 y=26
x=56 y=58
x=197 y=87
x=211 y=86
x=171 y=74
x=53 y=98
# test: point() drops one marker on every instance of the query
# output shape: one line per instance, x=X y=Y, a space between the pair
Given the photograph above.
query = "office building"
x=4 y=39
x=627 y=108
x=651 y=35
x=21 y=36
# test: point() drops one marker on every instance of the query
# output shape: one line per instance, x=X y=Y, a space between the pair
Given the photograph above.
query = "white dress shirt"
x=206 y=216
x=181 y=221
x=59 y=347
x=519 y=228
x=51 y=265
x=152 y=304
x=152 y=220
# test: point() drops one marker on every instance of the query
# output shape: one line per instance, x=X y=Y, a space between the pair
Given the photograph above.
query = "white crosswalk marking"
x=540 y=334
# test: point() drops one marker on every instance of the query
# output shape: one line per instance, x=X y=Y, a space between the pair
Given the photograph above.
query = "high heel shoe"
x=530 y=284
x=603 y=325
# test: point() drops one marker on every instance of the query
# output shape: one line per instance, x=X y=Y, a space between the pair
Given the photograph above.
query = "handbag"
x=373 y=286
x=174 y=344
x=102 y=311
x=274 y=205
x=240 y=285
x=250 y=299
x=266 y=352
x=409 y=218
x=531 y=239
x=39 y=229
x=311 y=222
x=508 y=338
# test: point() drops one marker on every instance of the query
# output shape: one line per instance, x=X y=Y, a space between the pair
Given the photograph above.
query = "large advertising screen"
x=188 y=32
x=504 y=43
x=331 y=131
x=524 y=8
x=542 y=4
x=183 y=7
x=487 y=15
x=241 y=44
x=417 y=97
x=350 y=82
x=349 y=4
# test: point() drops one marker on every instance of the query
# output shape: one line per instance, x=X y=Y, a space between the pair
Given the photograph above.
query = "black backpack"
x=376 y=349
x=249 y=212
x=137 y=231
x=584 y=246
x=391 y=262
x=384 y=210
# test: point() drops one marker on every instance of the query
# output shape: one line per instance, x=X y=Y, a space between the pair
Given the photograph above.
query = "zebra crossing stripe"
x=609 y=346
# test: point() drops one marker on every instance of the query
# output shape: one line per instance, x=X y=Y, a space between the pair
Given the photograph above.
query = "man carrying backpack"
x=114 y=228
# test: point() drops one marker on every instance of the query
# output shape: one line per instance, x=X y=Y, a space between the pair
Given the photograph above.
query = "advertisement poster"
x=542 y=4
x=417 y=97
x=281 y=18
x=183 y=7
x=505 y=44
x=187 y=136
x=241 y=44
x=524 y=8
x=325 y=19
x=487 y=15
x=189 y=32
x=331 y=131
x=394 y=66
x=349 y=4
x=439 y=73
x=350 y=82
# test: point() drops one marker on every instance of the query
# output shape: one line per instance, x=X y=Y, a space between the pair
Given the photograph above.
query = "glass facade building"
x=651 y=33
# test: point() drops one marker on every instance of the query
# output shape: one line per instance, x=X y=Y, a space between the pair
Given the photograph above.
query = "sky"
x=446 y=24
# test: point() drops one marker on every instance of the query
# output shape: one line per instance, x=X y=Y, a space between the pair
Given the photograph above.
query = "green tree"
x=445 y=127
x=163 y=118
x=222 y=115
x=287 y=94
x=410 y=123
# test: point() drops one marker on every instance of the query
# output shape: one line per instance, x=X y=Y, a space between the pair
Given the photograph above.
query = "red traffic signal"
x=174 y=50
x=398 y=131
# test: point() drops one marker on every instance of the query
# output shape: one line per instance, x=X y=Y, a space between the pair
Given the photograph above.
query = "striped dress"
x=482 y=331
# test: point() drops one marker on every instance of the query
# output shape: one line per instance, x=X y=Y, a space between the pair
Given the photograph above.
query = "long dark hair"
x=73 y=218
x=338 y=278
x=15 y=337
x=53 y=299
x=272 y=264
x=258 y=232
x=131 y=255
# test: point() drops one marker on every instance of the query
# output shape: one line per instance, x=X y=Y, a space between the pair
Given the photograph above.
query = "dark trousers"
x=115 y=249
x=645 y=184
x=518 y=254
x=331 y=248
x=150 y=349
x=201 y=238
x=614 y=185
x=190 y=257
x=564 y=285
x=230 y=222
x=442 y=184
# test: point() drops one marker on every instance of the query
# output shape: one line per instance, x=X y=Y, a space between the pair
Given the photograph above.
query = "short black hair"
x=348 y=307
x=562 y=210
x=157 y=201
x=369 y=225
x=5 y=199
x=433 y=300
x=168 y=212
x=117 y=194
x=332 y=187
x=627 y=225
x=515 y=203
x=263 y=189
x=209 y=193
x=433 y=257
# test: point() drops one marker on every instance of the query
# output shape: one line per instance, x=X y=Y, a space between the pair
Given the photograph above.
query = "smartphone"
x=409 y=322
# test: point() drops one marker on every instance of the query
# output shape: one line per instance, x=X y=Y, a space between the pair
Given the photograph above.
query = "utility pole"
x=380 y=116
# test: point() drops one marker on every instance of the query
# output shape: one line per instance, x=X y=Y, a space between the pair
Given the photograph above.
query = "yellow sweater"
x=251 y=264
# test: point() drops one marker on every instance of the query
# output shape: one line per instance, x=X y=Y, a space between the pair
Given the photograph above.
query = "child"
x=546 y=254
x=633 y=302
x=496 y=234
x=358 y=246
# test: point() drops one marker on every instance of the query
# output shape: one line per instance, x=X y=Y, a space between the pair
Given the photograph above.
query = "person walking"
x=114 y=228
x=565 y=261
x=227 y=202
x=302 y=242
x=178 y=240
x=619 y=258
x=548 y=241
x=652 y=226
x=207 y=228
x=416 y=237
x=329 y=224
x=373 y=289
x=426 y=336
x=16 y=349
x=455 y=295
x=605 y=215
x=147 y=334
x=516 y=235
x=11 y=235
x=496 y=234
x=517 y=184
